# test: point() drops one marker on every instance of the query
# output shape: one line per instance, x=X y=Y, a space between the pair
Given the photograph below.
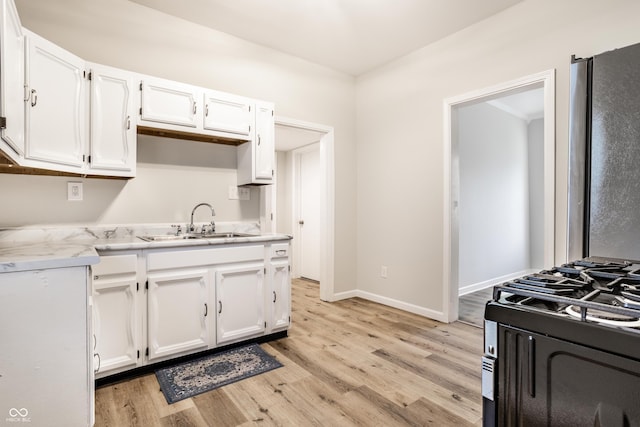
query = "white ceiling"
x=352 y=36
x=527 y=105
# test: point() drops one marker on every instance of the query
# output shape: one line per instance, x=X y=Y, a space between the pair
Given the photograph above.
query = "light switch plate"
x=74 y=191
x=244 y=193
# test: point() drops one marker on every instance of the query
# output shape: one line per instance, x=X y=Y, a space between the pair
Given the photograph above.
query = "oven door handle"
x=531 y=352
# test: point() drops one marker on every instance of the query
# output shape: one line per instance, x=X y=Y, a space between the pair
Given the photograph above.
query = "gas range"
x=562 y=347
x=598 y=290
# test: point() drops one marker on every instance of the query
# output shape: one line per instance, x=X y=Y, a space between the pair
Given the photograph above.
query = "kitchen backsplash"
x=115 y=232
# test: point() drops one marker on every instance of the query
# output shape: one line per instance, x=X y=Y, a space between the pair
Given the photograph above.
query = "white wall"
x=400 y=130
x=493 y=209
x=124 y=34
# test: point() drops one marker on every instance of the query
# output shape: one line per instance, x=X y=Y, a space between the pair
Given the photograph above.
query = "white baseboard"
x=492 y=282
x=411 y=308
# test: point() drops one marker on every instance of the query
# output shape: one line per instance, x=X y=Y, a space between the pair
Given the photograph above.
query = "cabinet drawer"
x=116 y=264
x=201 y=257
x=280 y=250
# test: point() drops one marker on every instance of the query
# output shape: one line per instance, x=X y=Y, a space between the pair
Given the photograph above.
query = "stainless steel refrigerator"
x=604 y=157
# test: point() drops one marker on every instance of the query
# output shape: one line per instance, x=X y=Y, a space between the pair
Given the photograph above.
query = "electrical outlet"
x=383 y=271
x=74 y=191
x=233 y=192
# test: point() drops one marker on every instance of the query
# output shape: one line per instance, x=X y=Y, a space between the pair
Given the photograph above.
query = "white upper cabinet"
x=170 y=103
x=56 y=104
x=256 y=157
x=228 y=113
x=11 y=81
x=265 y=141
x=113 y=130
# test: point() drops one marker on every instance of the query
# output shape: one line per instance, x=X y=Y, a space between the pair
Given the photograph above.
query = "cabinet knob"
x=34 y=97
x=219 y=307
x=274 y=296
x=195 y=107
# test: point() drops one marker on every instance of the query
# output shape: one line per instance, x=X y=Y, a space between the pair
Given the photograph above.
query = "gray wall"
x=493 y=208
x=400 y=121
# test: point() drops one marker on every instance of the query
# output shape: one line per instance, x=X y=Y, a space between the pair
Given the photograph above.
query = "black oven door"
x=543 y=381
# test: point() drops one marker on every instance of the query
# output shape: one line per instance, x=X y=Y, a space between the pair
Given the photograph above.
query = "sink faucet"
x=213 y=213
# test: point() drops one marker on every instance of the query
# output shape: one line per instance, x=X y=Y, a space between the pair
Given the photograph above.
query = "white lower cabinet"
x=115 y=314
x=280 y=294
x=177 y=307
x=240 y=302
x=158 y=304
x=45 y=371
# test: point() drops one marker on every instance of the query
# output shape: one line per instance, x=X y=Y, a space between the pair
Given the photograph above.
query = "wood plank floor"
x=471 y=306
x=348 y=363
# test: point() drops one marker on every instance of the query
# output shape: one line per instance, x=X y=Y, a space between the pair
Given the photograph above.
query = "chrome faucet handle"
x=178 y=229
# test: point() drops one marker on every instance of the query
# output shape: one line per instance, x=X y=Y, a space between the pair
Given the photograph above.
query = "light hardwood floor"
x=348 y=363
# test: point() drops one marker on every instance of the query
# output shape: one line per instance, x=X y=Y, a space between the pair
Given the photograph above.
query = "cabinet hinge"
x=146 y=352
x=140 y=85
x=138 y=354
x=3 y=122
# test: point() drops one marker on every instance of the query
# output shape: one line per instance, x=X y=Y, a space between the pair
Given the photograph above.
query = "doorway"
x=307 y=208
x=499 y=185
x=279 y=210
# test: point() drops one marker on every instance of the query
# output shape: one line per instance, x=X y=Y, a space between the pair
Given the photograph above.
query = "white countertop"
x=22 y=256
x=41 y=248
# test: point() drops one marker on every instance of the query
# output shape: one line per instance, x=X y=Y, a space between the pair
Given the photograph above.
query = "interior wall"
x=400 y=118
x=284 y=193
x=126 y=35
x=493 y=209
x=535 y=144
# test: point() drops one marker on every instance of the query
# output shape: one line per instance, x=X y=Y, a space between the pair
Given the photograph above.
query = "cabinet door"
x=240 y=302
x=11 y=80
x=228 y=113
x=56 y=106
x=264 y=142
x=113 y=134
x=177 y=310
x=280 y=294
x=173 y=103
x=114 y=313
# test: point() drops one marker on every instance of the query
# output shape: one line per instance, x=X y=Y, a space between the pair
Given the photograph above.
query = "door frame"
x=546 y=79
x=327 y=200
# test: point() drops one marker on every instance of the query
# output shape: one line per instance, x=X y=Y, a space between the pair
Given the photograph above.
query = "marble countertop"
x=24 y=249
x=22 y=256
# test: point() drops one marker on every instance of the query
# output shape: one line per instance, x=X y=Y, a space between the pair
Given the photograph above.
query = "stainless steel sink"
x=169 y=237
